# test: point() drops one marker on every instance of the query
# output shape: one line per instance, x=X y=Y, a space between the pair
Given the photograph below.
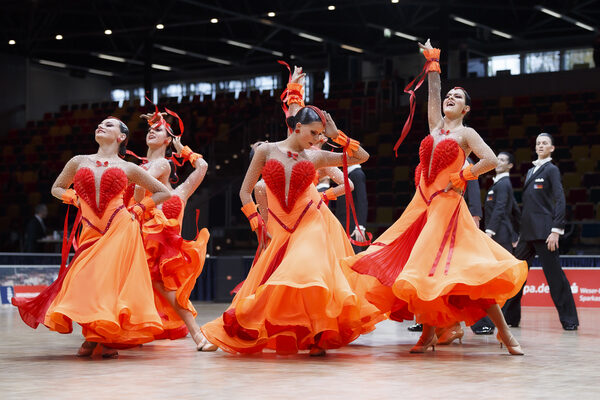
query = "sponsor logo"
x=536 y=186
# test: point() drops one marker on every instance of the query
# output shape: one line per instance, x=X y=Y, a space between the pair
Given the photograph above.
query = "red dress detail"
x=112 y=183
x=172 y=207
x=128 y=194
x=445 y=153
x=302 y=176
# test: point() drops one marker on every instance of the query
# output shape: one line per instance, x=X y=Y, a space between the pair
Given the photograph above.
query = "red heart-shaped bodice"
x=303 y=174
x=444 y=154
x=172 y=207
x=112 y=183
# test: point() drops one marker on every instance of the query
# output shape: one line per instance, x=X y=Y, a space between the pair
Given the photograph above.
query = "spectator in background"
x=359 y=196
x=501 y=220
x=542 y=222
x=36 y=230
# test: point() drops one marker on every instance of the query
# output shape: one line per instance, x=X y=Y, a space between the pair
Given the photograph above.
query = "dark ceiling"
x=33 y=25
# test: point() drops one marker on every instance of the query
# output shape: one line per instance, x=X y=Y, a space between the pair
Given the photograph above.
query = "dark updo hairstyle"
x=511 y=158
x=125 y=130
x=173 y=178
x=306 y=115
x=549 y=136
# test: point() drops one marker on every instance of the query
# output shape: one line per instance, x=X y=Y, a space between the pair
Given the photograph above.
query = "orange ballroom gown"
x=175 y=262
x=106 y=288
x=296 y=295
x=433 y=262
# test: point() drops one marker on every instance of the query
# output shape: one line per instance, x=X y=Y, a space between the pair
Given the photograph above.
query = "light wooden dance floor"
x=557 y=365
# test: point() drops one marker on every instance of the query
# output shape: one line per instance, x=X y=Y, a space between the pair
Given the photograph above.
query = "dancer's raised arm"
x=355 y=153
x=295 y=91
x=434 y=103
x=194 y=180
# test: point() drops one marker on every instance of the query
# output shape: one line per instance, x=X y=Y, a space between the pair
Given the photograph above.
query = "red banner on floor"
x=585 y=286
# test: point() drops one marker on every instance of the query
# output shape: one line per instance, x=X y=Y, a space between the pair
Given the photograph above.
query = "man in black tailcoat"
x=542 y=222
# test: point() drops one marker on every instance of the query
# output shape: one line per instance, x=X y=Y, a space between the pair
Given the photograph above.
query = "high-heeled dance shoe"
x=202 y=344
x=449 y=335
x=86 y=349
x=107 y=352
x=422 y=346
x=316 y=351
x=513 y=347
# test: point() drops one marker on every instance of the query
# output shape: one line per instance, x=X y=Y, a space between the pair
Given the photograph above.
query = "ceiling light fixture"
x=161 y=67
x=100 y=72
x=160 y=26
x=53 y=63
x=331 y=8
x=218 y=60
x=352 y=48
x=464 y=21
x=271 y=14
x=12 y=42
x=502 y=34
x=107 y=32
x=214 y=20
x=239 y=44
x=406 y=36
x=310 y=37
x=111 y=58
x=172 y=50
x=58 y=37
x=550 y=12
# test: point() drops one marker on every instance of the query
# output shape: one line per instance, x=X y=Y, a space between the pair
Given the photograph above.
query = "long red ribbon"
x=413 y=97
x=283 y=96
x=350 y=204
x=66 y=244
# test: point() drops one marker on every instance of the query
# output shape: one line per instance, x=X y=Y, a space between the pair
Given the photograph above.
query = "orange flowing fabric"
x=296 y=295
x=107 y=289
x=174 y=261
x=434 y=262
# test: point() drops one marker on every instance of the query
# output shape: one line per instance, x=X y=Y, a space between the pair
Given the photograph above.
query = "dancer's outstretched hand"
x=298 y=76
x=331 y=130
x=177 y=144
x=426 y=46
x=149 y=115
x=452 y=187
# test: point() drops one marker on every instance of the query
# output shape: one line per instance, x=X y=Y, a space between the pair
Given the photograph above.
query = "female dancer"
x=174 y=263
x=433 y=261
x=296 y=296
x=106 y=288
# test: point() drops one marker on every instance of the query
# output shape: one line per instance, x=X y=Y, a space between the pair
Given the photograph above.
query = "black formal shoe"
x=484 y=330
x=514 y=325
x=416 y=328
x=569 y=327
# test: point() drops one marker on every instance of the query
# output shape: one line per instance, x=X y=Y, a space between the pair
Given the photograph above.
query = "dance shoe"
x=513 y=347
x=449 y=335
x=416 y=328
x=422 y=346
x=569 y=327
x=483 y=330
